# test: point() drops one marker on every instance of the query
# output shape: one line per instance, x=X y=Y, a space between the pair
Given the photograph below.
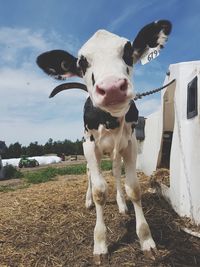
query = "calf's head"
x=105 y=63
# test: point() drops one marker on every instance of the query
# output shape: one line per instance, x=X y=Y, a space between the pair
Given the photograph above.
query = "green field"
x=49 y=174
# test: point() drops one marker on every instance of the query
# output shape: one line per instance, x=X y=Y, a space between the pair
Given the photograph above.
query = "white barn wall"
x=150 y=147
x=185 y=150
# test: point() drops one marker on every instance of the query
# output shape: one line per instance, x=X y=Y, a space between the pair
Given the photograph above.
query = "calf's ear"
x=152 y=37
x=59 y=64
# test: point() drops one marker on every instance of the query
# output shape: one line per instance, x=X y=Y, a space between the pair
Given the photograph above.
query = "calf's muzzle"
x=112 y=90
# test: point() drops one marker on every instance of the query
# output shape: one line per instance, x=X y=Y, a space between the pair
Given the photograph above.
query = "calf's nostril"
x=100 y=91
x=124 y=86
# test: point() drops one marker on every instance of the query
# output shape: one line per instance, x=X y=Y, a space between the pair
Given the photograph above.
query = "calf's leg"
x=99 y=192
x=89 y=200
x=132 y=188
x=120 y=195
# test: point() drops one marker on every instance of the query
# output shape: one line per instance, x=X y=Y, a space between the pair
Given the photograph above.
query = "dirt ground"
x=48 y=225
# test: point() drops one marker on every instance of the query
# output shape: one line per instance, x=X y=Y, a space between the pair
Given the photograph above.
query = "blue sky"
x=30 y=27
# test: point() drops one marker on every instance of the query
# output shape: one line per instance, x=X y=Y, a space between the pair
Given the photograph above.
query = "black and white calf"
x=105 y=62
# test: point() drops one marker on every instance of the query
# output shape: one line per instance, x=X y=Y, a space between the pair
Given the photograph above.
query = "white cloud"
x=15 y=41
x=148 y=106
x=22 y=44
x=25 y=131
x=128 y=12
x=27 y=114
x=20 y=80
x=24 y=98
x=152 y=69
x=21 y=38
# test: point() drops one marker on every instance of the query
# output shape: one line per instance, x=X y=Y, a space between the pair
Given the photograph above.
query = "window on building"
x=192 y=99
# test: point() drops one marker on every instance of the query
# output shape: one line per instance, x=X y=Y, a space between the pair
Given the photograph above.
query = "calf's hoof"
x=123 y=210
x=100 y=259
x=89 y=204
x=151 y=254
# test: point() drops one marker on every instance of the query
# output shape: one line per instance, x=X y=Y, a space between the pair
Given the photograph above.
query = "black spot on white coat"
x=128 y=54
x=83 y=64
x=93 y=116
x=92 y=138
x=132 y=114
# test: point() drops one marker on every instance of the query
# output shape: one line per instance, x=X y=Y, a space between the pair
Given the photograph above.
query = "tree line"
x=66 y=147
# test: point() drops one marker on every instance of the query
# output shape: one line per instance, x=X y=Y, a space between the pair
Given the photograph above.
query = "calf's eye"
x=93 y=80
x=127 y=70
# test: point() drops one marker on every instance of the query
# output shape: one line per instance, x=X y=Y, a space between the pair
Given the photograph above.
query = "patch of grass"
x=9 y=188
x=79 y=169
x=49 y=173
x=106 y=165
x=41 y=176
x=6 y=188
x=73 y=169
x=11 y=172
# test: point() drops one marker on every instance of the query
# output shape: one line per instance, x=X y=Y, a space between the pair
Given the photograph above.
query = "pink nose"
x=112 y=90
